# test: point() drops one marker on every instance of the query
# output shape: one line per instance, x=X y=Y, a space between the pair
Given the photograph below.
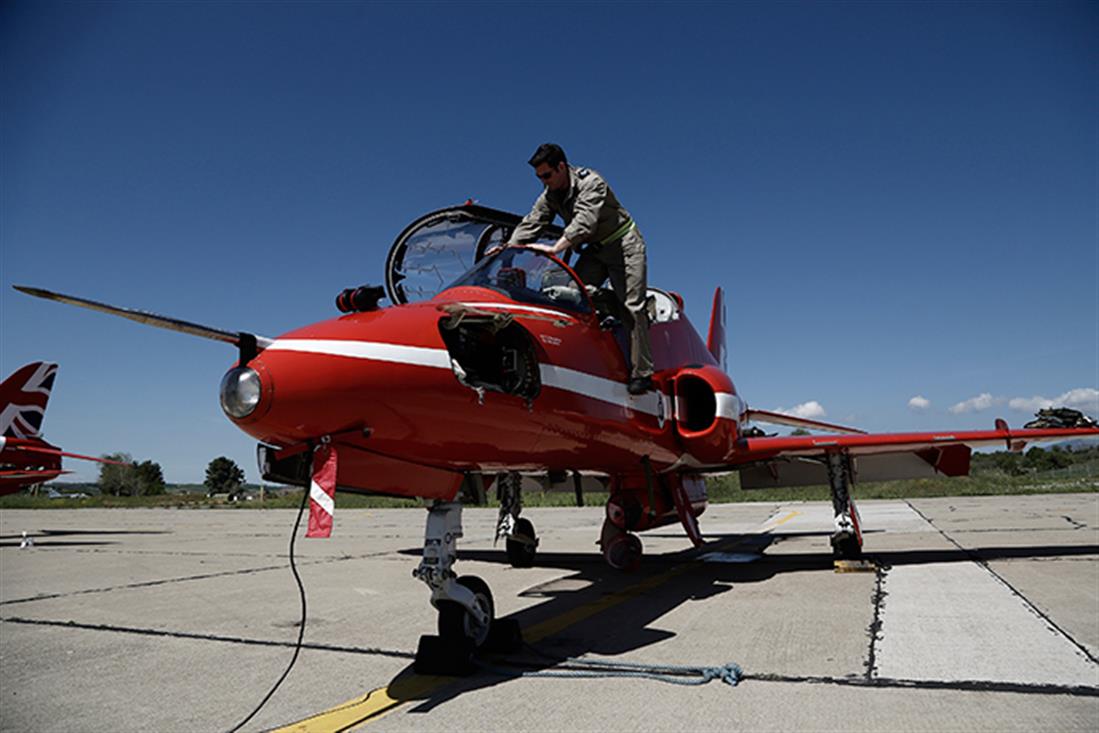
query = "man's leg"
x=625 y=261
x=636 y=293
x=590 y=270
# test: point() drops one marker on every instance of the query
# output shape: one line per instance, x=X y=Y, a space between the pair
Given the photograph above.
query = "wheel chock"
x=439 y=656
x=504 y=636
x=854 y=566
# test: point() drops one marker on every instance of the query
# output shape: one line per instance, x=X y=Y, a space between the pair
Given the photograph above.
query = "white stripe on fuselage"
x=598 y=388
x=373 y=350
x=558 y=377
x=729 y=406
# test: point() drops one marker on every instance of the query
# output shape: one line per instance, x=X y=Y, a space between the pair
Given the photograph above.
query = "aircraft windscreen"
x=528 y=277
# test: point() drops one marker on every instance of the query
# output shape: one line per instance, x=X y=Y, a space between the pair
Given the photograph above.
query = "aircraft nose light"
x=240 y=392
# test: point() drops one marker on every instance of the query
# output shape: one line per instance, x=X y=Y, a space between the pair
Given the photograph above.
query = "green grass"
x=727 y=488
x=722 y=489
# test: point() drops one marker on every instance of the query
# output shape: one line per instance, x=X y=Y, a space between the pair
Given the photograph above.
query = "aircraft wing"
x=778 y=418
x=798 y=460
x=151 y=319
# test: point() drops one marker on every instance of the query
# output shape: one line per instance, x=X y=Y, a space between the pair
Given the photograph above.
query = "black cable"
x=301 y=631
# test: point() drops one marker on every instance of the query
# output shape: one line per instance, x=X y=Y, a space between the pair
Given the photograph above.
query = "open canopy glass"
x=439 y=248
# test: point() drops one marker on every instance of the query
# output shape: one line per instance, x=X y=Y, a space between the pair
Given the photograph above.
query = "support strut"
x=444 y=527
x=847 y=537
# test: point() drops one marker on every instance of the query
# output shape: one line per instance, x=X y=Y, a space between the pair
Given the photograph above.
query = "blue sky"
x=900 y=199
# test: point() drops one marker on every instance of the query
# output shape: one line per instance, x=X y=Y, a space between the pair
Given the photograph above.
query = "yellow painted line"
x=784 y=520
x=370 y=706
x=377 y=703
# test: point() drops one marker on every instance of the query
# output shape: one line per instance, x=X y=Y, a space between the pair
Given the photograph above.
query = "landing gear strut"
x=847 y=539
x=521 y=543
x=466 y=609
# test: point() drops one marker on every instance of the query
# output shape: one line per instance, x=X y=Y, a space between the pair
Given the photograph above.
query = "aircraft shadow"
x=81 y=532
x=623 y=607
x=38 y=543
x=43 y=537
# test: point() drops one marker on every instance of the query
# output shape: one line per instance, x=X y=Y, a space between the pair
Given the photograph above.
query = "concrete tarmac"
x=982 y=614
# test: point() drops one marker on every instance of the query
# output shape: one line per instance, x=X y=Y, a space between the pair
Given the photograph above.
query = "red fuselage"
x=389 y=372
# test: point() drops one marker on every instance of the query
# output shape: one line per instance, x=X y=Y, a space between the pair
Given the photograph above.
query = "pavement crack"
x=874 y=630
x=184 y=579
x=209 y=637
x=976 y=558
x=956 y=685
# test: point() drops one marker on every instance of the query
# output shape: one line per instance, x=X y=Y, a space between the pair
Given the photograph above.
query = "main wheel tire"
x=455 y=622
x=846 y=547
x=521 y=552
x=623 y=552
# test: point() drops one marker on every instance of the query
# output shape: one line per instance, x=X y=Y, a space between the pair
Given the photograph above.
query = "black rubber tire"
x=623 y=552
x=847 y=548
x=521 y=554
x=455 y=622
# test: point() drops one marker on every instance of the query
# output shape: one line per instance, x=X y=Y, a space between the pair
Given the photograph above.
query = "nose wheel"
x=460 y=624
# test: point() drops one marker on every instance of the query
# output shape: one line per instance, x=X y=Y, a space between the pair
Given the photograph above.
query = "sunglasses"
x=545 y=176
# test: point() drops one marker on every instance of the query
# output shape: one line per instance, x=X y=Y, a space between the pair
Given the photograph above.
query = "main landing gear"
x=466 y=610
x=621 y=549
x=520 y=541
x=847 y=539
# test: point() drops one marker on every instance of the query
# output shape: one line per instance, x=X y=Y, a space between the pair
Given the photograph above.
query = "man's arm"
x=533 y=223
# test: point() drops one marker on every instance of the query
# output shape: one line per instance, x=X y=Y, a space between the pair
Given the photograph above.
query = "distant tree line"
x=130 y=478
x=1035 y=460
x=127 y=478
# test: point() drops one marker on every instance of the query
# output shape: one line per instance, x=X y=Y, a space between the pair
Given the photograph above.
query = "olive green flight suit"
x=616 y=249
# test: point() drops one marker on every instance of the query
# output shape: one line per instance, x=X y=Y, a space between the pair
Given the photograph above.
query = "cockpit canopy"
x=439 y=248
x=446 y=249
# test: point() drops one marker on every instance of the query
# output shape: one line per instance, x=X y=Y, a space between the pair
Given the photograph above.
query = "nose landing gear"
x=466 y=609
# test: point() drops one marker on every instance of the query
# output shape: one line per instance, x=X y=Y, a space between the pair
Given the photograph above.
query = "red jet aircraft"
x=25 y=458
x=504 y=368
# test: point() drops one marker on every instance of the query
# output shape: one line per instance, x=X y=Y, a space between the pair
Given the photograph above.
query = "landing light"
x=240 y=392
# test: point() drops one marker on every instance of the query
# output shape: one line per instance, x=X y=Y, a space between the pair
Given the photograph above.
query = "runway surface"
x=982 y=614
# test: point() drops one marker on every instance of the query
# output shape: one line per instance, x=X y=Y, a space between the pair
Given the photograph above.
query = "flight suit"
x=616 y=249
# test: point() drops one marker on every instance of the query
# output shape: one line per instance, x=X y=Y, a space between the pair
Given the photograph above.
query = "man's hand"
x=556 y=249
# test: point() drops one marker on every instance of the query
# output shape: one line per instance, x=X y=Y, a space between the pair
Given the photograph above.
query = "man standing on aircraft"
x=613 y=246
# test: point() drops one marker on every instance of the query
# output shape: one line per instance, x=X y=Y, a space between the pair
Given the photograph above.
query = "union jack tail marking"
x=23 y=398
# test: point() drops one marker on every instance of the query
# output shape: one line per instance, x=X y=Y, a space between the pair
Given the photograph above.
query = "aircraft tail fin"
x=23 y=398
x=715 y=340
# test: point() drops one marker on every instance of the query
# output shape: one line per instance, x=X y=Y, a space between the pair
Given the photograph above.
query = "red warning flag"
x=322 y=492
